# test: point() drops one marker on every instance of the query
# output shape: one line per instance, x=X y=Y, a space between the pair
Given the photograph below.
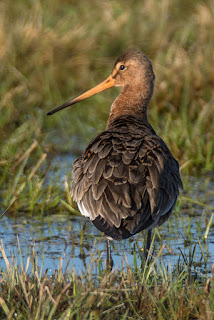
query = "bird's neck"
x=131 y=101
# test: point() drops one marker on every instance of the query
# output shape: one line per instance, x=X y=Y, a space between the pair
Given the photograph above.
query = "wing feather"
x=127 y=180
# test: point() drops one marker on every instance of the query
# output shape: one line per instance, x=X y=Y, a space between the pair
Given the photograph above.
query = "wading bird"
x=126 y=180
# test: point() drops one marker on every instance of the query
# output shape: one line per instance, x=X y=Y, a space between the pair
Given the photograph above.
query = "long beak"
x=108 y=83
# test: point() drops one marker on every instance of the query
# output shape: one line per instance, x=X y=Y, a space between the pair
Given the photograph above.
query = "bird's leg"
x=109 y=261
x=148 y=243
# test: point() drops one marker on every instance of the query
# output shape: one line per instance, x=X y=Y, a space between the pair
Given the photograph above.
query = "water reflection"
x=74 y=241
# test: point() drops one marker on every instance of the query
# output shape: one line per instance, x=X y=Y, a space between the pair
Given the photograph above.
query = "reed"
x=156 y=293
x=53 y=50
x=48 y=56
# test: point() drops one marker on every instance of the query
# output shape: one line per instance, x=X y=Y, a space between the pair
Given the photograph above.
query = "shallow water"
x=54 y=240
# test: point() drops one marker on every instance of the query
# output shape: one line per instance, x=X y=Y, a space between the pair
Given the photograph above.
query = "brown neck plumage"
x=131 y=101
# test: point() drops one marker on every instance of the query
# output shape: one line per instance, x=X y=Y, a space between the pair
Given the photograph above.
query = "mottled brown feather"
x=127 y=184
x=126 y=180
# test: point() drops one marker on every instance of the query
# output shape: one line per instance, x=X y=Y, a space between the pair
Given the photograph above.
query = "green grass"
x=154 y=293
x=181 y=290
x=52 y=50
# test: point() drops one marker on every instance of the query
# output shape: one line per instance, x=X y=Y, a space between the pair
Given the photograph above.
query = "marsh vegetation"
x=51 y=51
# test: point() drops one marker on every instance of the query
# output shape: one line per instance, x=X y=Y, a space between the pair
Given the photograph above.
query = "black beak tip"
x=64 y=105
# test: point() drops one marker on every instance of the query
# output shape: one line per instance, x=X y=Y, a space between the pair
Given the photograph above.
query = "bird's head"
x=132 y=69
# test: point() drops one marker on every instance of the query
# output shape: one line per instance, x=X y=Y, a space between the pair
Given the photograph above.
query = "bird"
x=126 y=180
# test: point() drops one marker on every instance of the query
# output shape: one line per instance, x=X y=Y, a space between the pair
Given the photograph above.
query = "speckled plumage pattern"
x=127 y=180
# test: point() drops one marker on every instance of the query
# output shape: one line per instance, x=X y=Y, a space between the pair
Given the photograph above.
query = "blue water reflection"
x=56 y=240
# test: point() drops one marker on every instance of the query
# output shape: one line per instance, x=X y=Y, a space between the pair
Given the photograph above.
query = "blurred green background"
x=53 y=50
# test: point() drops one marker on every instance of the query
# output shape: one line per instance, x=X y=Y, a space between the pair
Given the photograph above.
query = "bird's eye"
x=122 y=67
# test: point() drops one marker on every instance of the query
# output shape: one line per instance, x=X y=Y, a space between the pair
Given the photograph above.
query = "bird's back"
x=126 y=180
